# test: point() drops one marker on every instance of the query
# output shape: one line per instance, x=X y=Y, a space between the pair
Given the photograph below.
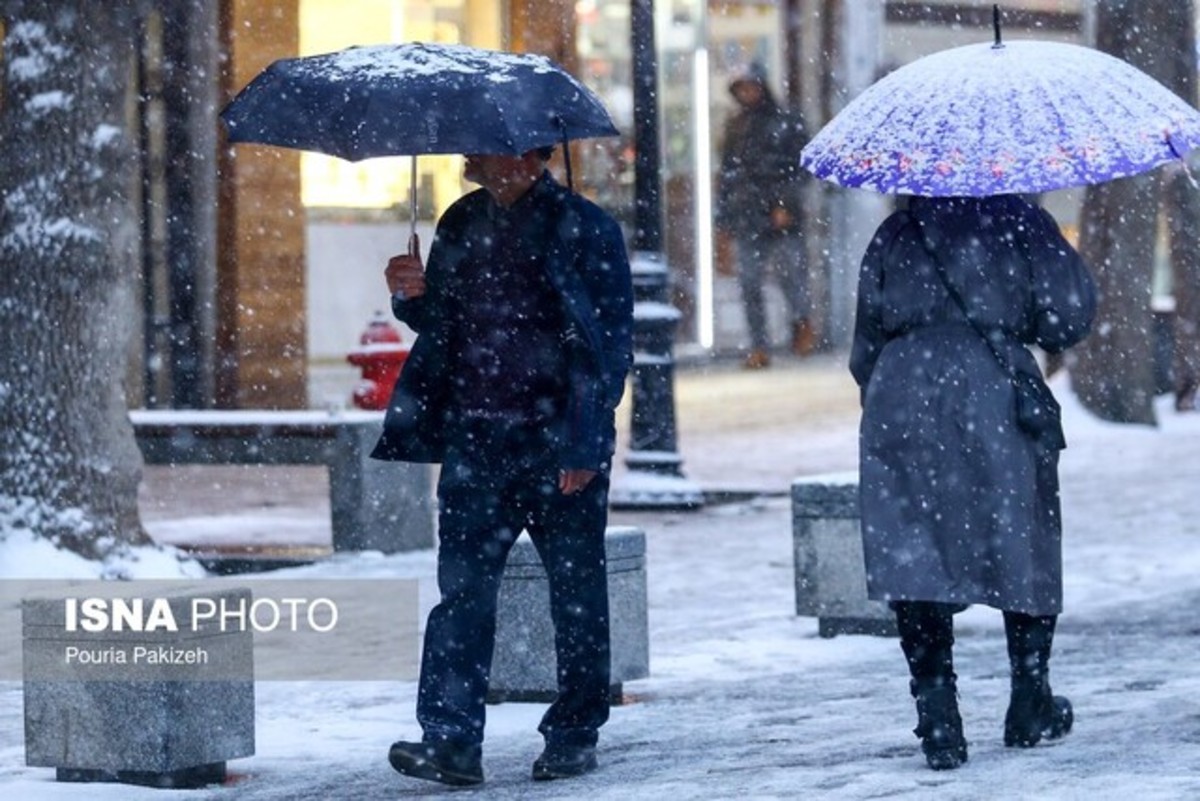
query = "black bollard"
x=655 y=470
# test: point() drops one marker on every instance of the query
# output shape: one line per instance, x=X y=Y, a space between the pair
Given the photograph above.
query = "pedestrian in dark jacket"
x=759 y=205
x=959 y=504
x=524 y=319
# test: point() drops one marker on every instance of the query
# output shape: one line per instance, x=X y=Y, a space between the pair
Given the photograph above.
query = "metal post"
x=647 y=179
x=655 y=475
x=181 y=267
x=190 y=59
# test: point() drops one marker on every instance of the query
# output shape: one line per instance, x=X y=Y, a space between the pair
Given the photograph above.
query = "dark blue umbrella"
x=415 y=98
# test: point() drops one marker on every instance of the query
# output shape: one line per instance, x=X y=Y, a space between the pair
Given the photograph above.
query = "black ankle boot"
x=927 y=638
x=1034 y=712
x=938 y=723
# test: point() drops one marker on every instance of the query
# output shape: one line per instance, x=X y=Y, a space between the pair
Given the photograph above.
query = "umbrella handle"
x=414 y=242
x=566 y=144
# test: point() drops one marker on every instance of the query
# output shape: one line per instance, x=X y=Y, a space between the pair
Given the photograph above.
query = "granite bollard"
x=151 y=707
x=831 y=579
x=523 y=664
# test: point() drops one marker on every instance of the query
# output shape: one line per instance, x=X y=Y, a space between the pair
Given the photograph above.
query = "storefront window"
x=379 y=188
x=605 y=65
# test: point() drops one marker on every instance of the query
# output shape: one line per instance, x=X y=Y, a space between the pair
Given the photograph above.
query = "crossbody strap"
x=1005 y=365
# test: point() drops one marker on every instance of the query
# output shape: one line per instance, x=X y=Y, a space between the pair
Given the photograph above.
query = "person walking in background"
x=524 y=320
x=959 y=503
x=758 y=207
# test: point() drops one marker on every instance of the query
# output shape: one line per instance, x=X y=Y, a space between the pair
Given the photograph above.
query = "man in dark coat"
x=524 y=319
x=959 y=504
x=758 y=205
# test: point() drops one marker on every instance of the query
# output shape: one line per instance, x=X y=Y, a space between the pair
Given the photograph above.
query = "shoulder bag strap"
x=1005 y=365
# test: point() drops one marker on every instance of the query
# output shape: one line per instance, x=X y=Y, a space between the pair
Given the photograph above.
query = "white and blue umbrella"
x=1017 y=117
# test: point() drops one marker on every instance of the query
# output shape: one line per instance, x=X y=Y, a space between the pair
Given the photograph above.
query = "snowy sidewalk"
x=744 y=700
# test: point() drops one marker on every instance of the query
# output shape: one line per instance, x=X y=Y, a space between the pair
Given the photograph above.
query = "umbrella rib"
x=869 y=146
x=512 y=141
x=1103 y=113
x=1046 y=89
x=873 y=145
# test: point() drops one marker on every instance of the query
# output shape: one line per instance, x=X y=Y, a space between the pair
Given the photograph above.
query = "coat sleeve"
x=598 y=382
x=614 y=309
x=795 y=137
x=727 y=176
x=869 y=335
x=421 y=313
x=1064 y=293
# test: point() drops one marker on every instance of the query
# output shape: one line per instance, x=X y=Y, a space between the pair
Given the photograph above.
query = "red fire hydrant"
x=380 y=355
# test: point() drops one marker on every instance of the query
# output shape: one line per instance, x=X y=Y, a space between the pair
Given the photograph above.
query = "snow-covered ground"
x=744 y=699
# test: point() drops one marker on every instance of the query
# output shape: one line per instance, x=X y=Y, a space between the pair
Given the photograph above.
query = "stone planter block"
x=524 y=665
x=130 y=719
x=831 y=580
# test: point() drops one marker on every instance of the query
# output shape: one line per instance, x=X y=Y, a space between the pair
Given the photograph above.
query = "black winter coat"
x=958 y=504
x=760 y=170
x=582 y=250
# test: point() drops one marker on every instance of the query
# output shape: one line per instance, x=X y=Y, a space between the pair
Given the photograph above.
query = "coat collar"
x=543 y=189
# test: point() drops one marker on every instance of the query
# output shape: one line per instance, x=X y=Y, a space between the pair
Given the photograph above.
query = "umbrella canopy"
x=1019 y=117
x=415 y=98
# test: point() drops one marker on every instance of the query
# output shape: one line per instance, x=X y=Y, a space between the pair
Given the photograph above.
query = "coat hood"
x=755 y=73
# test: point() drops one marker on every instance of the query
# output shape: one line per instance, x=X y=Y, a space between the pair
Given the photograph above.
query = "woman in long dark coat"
x=959 y=504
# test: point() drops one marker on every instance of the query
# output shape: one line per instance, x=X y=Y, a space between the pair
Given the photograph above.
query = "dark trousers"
x=488 y=492
x=927 y=639
x=763 y=255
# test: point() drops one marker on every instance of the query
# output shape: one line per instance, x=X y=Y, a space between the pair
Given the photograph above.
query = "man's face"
x=494 y=172
x=748 y=93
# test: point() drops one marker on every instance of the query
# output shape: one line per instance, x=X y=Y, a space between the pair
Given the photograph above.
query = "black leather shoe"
x=443 y=762
x=564 y=762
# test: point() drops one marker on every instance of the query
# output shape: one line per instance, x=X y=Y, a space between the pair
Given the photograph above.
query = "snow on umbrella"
x=415 y=98
x=1018 y=117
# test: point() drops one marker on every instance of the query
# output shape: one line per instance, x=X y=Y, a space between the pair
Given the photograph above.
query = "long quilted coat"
x=958 y=504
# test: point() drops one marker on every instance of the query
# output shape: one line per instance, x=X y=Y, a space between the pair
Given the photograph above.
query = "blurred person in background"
x=759 y=210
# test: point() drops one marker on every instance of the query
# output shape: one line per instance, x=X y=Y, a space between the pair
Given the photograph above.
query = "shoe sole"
x=419 y=768
x=545 y=773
